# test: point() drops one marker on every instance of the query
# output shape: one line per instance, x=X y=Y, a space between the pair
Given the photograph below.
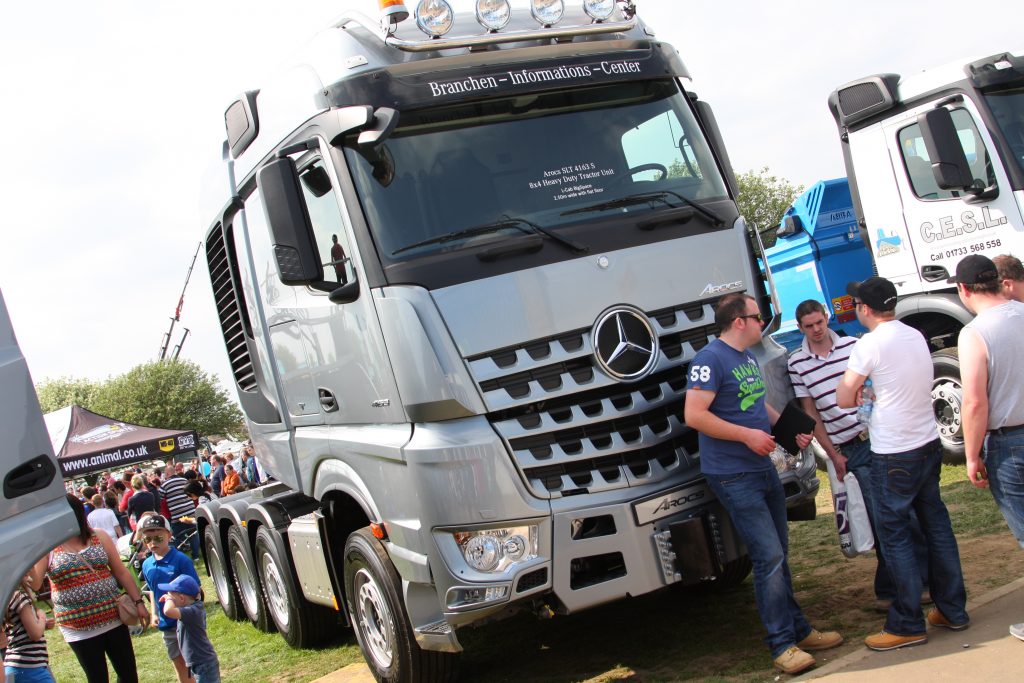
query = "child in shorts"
x=183 y=601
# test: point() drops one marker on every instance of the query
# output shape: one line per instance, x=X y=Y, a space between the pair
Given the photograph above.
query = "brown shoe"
x=793 y=661
x=890 y=641
x=820 y=640
x=937 y=618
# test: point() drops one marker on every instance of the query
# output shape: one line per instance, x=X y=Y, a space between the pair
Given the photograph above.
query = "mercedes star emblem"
x=625 y=344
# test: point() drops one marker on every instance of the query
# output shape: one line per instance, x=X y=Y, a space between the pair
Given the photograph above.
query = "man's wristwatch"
x=140 y=601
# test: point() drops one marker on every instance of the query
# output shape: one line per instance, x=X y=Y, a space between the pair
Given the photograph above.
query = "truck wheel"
x=947 y=400
x=733 y=574
x=247 y=581
x=300 y=622
x=372 y=596
x=227 y=594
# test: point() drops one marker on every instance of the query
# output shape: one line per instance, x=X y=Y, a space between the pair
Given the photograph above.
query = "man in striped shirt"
x=815 y=370
x=180 y=505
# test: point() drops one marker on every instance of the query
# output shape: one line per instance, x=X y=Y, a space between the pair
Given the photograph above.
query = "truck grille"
x=230 y=303
x=572 y=429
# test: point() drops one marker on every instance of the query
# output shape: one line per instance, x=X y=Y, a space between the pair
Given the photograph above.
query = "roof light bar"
x=493 y=15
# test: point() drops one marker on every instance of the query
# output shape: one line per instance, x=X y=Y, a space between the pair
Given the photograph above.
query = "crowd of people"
x=87 y=575
x=896 y=456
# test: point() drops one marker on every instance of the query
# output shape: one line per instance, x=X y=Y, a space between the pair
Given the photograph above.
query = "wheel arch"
x=939 y=317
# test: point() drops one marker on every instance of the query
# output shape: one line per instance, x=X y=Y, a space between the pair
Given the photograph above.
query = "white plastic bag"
x=855 y=537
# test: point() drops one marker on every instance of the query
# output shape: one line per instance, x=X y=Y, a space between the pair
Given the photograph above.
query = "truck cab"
x=935 y=163
x=460 y=280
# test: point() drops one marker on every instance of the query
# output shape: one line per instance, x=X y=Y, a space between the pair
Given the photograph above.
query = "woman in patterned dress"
x=86 y=574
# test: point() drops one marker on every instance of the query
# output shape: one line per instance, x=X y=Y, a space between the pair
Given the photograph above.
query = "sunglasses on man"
x=755 y=316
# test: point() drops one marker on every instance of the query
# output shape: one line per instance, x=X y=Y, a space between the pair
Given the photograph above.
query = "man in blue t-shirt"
x=725 y=404
x=164 y=564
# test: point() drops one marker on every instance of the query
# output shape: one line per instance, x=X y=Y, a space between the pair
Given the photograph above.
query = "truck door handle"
x=34 y=475
x=934 y=273
x=327 y=400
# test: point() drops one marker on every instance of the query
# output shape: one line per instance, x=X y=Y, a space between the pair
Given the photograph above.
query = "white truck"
x=460 y=277
x=34 y=513
x=935 y=163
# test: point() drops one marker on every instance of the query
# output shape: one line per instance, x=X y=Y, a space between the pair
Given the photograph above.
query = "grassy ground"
x=673 y=635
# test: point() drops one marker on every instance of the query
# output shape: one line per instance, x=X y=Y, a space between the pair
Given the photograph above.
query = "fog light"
x=493 y=14
x=461 y=598
x=434 y=17
x=599 y=10
x=548 y=12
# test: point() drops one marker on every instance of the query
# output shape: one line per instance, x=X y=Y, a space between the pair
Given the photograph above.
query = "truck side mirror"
x=290 y=227
x=949 y=163
x=791 y=225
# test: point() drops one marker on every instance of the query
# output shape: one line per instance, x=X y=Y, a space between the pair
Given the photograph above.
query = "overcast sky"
x=113 y=110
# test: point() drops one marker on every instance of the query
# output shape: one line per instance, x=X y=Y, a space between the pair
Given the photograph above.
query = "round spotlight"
x=599 y=10
x=483 y=552
x=493 y=15
x=548 y=12
x=434 y=17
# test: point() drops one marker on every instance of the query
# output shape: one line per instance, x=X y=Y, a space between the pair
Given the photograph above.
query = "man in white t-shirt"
x=906 y=458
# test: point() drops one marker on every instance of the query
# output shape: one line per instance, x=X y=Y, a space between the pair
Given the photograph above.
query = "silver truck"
x=460 y=273
x=34 y=513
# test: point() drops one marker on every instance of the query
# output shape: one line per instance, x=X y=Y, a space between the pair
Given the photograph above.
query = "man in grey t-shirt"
x=991 y=349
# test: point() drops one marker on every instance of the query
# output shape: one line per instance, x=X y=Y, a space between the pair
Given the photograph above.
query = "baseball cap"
x=155 y=522
x=975 y=270
x=877 y=292
x=183 y=583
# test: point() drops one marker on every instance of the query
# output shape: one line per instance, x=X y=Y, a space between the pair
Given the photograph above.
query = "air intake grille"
x=572 y=429
x=230 y=303
x=859 y=97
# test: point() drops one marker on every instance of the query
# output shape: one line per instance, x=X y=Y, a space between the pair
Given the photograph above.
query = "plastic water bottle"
x=867 y=398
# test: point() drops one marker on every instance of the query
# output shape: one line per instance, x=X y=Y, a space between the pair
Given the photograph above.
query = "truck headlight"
x=434 y=17
x=494 y=550
x=493 y=14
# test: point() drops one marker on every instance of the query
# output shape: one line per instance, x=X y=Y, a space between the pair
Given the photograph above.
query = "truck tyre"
x=947 y=401
x=301 y=623
x=733 y=574
x=372 y=597
x=216 y=563
x=246 y=580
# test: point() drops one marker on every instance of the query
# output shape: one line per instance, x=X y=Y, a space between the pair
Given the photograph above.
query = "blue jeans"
x=38 y=674
x=207 y=672
x=183 y=529
x=1004 y=461
x=858 y=461
x=756 y=504
x=901 y=483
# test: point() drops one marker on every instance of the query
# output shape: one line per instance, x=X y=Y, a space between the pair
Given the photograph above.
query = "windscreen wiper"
x=520 y=224
x=647 y=197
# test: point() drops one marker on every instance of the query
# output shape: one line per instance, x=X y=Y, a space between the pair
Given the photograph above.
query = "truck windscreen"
x=561 y=164
x=1007 y=107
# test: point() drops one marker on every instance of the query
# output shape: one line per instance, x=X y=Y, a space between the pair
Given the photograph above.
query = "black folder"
x=791 y=422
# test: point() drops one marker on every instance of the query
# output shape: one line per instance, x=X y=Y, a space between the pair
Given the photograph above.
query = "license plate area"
x=695 y=559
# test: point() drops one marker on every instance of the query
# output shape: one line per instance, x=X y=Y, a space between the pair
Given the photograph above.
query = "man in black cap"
x=905 y=461
x=991 y=349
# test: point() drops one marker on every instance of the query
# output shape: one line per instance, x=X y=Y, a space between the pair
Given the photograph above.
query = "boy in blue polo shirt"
x=183 y=601
x=164 y=564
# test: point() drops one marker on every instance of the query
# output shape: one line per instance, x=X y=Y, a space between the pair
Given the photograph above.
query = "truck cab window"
x=657 y=144
x=325 y=215
x=918 y=164
x=1007 y=106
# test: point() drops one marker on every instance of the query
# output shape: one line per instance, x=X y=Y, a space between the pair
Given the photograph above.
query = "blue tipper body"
x=818 y=252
